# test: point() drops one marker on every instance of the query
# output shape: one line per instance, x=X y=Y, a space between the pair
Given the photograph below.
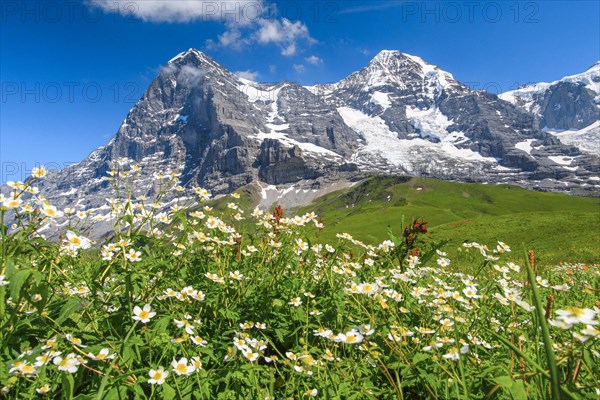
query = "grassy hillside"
x=559 y=227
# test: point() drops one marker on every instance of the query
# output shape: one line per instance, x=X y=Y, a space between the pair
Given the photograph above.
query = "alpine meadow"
x=286 y=200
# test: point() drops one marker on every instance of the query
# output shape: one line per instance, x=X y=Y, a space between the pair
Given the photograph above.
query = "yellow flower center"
x=578 y=312
x=27 y=369
x=144 y=314
x=181 y=368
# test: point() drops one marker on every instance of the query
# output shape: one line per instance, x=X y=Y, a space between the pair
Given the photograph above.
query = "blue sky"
x=71 y=70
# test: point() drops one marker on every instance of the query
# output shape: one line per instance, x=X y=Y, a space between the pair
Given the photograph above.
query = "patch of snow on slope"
x=322 y=89
x=381 y=99
x=525 y=96
x=430 y=122
x=562 y=160
x=264 y=191
x=589 y=78
x=270 y=95
x=587 y=139
x=432 y=73
x=274 y=113
x=70 y=192
x=277 y=128
x=307 y=147
x=525 y=146
x=257 y=91
x=380 y=141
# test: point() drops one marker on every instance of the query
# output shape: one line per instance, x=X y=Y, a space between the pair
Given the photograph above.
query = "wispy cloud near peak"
x=174 y=11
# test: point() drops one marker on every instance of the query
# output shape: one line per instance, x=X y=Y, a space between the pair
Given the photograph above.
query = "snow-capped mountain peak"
x=590 y=78
x=571 y=103
x=397 y=115
x=191 y=52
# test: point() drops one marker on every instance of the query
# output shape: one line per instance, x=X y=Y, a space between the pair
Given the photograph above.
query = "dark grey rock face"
x=313 y=120
x=568 y=106
x=277 y=164
x=397 y=115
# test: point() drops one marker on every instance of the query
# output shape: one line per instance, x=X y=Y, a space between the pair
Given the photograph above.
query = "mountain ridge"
x=398 y=115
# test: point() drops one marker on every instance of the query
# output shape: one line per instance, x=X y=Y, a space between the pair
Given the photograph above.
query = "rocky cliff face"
x=568 y=108
x=398 y=115
x=571 y=103
x=219 y=131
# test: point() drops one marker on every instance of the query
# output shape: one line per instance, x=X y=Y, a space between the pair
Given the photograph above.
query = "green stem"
x=548 y=345
x=531 y=361
x=149 y=346
x=178 y=389
x=3 y=240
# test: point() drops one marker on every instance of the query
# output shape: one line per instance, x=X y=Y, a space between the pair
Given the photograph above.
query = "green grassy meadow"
x=203 y=299
x=557 y=226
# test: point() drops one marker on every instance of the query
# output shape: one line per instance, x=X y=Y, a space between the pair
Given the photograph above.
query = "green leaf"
x=116 y=393
x=343 y=389
x=84 y=397
x=128 y=219
x=168 y=391
x=277 y=303
x=68 y=309
x=9 y=265
x=161 y=325
x=42 y=290
x=17 y=281
x=504 y=381
x=430 y=378
x=37 y=276
x=517 y=391
x=68 y=384
x=128 y=354
x=587 y=357
x=420 y=357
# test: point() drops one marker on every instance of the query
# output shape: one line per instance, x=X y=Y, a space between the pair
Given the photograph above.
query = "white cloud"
x=247 y=22
x=284 y=33
x=187 y=75
x=290 y=50
x=190 y=76
x=232 y=38
x=299 y=68
x=240 y=11
x=250 y=75
x=314 y=60
x=169 y=69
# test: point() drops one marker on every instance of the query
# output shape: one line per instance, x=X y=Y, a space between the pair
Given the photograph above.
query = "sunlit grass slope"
x=559 y=227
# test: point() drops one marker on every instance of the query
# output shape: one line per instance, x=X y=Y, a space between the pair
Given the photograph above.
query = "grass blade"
x=548 y=345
